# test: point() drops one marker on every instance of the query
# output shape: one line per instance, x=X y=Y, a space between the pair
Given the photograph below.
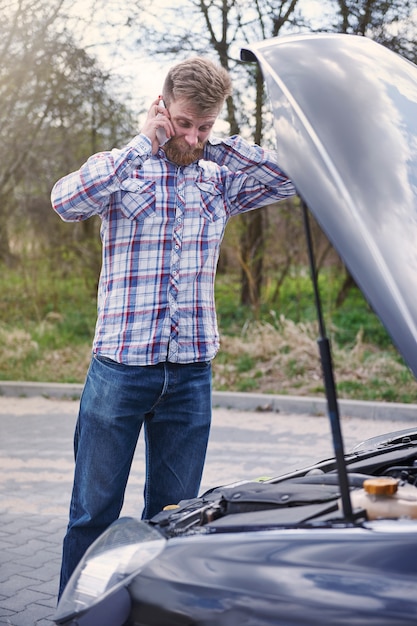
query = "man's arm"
x=255 y=176
x=86 y=192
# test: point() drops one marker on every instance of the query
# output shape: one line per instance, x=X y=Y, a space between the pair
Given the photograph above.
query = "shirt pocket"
x=211 y=200
x=138 y=199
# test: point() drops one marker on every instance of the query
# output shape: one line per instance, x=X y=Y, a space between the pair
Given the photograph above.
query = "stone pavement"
x=36 y=468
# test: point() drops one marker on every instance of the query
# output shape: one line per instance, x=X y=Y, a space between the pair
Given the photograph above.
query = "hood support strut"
x=329 y=383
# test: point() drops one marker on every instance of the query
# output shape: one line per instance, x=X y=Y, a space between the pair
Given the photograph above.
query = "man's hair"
x=203 y=83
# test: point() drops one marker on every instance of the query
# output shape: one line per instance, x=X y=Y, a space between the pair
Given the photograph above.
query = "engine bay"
x=309 y=497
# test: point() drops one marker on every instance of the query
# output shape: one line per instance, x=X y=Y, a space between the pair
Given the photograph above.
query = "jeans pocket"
x=107 y=361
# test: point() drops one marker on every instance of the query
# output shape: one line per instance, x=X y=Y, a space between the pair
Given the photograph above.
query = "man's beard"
x=180 y=153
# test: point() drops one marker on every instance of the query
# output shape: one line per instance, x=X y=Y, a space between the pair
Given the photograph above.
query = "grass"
x=47 y=324
x=286 y=361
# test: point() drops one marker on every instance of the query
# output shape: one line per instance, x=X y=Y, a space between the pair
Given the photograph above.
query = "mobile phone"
x=160 y=132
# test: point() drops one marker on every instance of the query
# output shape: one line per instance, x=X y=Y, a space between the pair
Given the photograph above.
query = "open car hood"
x=345 y=117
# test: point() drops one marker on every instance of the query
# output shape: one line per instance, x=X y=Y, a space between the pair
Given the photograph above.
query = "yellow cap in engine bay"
x=381 y=486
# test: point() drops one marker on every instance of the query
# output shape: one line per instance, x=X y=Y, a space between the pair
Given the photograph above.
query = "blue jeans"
x=173 y=402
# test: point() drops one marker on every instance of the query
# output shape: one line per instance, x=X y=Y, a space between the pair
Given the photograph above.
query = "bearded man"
x=164 y=201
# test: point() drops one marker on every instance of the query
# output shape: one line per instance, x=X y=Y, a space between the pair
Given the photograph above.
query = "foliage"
x=57 y=108
x=60 y=104
x=282 y=358
x=220 y=28
x=389 y=22
x=47 y=320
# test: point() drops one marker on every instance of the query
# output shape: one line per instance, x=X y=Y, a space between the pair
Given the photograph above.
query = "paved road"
x=36 y=473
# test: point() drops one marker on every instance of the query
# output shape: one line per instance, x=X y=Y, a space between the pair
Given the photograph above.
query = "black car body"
x=334 y=543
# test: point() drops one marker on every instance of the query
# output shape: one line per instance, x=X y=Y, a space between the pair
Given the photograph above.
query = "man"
x=164 y=209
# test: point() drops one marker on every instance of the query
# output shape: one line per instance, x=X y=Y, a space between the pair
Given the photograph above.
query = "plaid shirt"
x=161 y=229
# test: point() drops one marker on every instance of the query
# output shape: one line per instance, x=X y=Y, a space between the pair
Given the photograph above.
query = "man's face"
x=192 y=130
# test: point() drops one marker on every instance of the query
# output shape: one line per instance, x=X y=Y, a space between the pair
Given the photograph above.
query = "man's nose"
x=191 y=137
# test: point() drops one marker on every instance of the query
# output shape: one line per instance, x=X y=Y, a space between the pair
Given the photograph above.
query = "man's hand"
x=157 y=120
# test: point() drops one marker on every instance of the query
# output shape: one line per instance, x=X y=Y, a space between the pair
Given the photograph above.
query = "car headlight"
x=110 y=562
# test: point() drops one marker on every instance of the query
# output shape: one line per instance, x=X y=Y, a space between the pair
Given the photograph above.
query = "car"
x=334 y=542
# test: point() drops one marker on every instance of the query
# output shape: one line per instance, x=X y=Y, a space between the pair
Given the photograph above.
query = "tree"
x=391 y=23
x=59 y=104
x=219 y=26
x=20 y=93
x=57 y=108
